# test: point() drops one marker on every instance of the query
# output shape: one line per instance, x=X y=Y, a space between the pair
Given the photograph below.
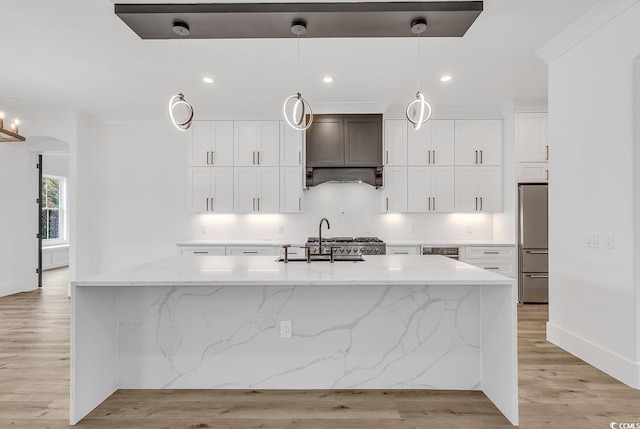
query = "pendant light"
x=419 y=110
x=182 y=29
x=295 y=108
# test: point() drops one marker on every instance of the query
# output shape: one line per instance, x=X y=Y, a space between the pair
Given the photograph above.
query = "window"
x=53 y=209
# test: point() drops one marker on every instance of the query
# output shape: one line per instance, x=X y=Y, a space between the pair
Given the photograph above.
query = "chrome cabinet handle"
x=480 y=203
x=246 y=252
x=254 y=204
x=434 y=203
x=386 y=157
x=476 y=158
x=546 y=175
x=387 y=198
x=535 y=276
x=213 y=158
x=429 y=203
x=208 y=158
x=480 y=157
x=476 y=203
x=400 y=253
x=491 y=268
x=258 y=157
x=537 y=252
x=299 y=204
x=434 y=156
x=253 y=158
x=212 y=206
x=258 y=203
x=207 y=204
x=491 y=253
x=200 y=252
x=429 y=155
x=299 y=157
x=546 y=153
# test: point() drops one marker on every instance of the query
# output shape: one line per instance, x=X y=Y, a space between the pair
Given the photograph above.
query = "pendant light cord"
x=181 y=78
x=418 y=70
x=298 y=59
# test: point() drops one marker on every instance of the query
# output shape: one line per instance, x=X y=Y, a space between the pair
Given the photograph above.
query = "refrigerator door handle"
x=537 y=276
x=537 y=252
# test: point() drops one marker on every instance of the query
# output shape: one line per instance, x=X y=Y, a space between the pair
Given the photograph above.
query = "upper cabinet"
x=478 y=189
x=210 y=190
x=394 y=195
x=395 y=142
x=430 y=189
x=344 y=140
x=532 y=137
x=478 y=142
x=432 y=144
x=290 y=146
x=256 y=190
x=257 y=143
x=211 y=144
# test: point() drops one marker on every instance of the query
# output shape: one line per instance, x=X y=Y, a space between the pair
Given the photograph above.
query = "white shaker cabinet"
x=290 y=146
x=394 y=195
x=395 y=142
x=430 y=189
x=257 y=143
x=533 y=145
x=291 y=190
x=478 y=189
x=478 y=142
x=256 y=189
x=204 y=251
x=250 y=250
x=211 y=144
x=210 y=190
x=432 y=144
x=533 y=172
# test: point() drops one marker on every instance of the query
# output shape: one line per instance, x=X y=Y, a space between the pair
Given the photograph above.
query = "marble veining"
x=343 y=337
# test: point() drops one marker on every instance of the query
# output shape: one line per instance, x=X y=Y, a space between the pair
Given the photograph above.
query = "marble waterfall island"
x=213 y=322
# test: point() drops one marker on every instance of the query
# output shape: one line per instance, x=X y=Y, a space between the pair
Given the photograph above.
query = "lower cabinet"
x=250 y=251
x=403 y=250
x=257 y=189
x=501 y=260
x=478 y=189
x=210 y=190
x=202 y=250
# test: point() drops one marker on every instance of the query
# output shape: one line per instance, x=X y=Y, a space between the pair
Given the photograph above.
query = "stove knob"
x=342 y=250
x=377 y=251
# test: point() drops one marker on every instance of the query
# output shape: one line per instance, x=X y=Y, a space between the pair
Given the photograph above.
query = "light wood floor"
x=557 y=390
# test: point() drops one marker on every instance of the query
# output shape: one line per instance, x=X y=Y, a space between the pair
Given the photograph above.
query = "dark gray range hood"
x=344 y=149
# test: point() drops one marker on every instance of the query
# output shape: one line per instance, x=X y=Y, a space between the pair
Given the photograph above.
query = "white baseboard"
x=10 y=288
x=54 y=266
x=616 y=366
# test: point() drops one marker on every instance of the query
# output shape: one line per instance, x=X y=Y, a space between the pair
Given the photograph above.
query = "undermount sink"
x=325 y=258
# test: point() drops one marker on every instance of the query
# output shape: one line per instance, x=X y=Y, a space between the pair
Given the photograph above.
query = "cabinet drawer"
x=293 y=251
x=504 y=268
x=490 y=253
x=402 y=250
x=204 y=251
x=250 y=251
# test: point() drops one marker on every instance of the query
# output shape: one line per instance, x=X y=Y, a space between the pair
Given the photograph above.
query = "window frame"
x=62 y=212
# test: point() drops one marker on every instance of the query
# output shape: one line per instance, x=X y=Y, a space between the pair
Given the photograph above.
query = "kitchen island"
x=213 y=322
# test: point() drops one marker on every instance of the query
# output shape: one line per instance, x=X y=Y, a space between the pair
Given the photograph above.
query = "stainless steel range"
x=347 y=246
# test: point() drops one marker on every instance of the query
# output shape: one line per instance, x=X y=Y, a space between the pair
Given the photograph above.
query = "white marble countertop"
x=188 y=270
x=270 y=242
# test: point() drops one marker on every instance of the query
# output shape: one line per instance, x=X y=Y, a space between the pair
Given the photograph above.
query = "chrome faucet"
x=324 y=219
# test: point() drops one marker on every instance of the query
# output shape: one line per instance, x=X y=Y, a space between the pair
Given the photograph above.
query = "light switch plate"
x=607 y=240
x=591 y=239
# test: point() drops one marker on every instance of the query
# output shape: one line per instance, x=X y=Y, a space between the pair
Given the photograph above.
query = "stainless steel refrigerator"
x=533 y=246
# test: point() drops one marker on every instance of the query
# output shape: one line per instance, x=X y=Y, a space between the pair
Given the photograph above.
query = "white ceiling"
x=66 y=56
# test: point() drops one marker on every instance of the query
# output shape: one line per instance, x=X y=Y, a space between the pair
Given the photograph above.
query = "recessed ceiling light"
x=327 y=79
x=445 y=78
x=207 y=80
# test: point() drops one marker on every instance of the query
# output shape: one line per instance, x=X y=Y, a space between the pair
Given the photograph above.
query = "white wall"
x=55 y=164
x=594 y=292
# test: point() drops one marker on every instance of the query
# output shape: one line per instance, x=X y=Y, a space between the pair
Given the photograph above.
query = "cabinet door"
x=394 y=197
x=290 y=190
x=395 y=142
x=290 y=146
x=466 y=197
x=490 y=189
x=442 y=142
x=244 y=186
x=221 y=190
x=532 y=137
x=533 y=172
x=245 y=142
x=221 y=143
x=466 y=142
x=363 y=140
x=325 y=142
x=490 y=142
x=267 y=189
x=418 y=144
x=442 y=189
x=200 y=144
x=419 y=189
x=199 y=188
x=268 y=148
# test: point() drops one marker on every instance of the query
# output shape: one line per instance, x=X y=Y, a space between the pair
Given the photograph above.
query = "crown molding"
x=594 y=19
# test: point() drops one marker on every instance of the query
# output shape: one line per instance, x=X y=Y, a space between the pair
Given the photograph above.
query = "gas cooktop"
x=347 y=246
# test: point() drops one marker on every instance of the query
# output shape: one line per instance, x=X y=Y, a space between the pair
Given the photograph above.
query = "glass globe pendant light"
x=297 y=111
x=419 y=110
x=178 y=100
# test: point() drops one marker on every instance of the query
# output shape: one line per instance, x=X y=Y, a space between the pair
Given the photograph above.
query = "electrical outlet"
x=285 y=329
x=591 y=239
x=280 y=229
x=607 y=240
x=203 y=228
